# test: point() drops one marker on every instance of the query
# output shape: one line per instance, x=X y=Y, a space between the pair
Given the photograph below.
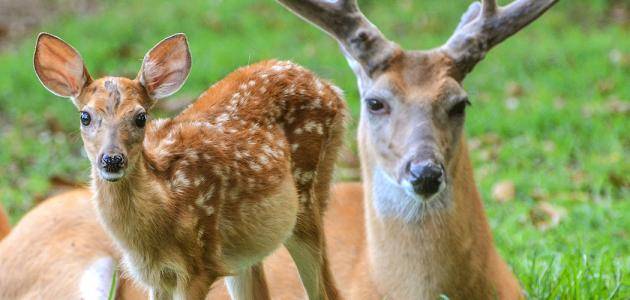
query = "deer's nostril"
x=426 y=177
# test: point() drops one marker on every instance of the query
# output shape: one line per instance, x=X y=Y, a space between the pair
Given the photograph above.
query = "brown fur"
x=5 y=227
x=214 y=190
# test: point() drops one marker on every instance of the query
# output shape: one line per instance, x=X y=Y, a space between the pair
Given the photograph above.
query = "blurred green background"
x=548 y=130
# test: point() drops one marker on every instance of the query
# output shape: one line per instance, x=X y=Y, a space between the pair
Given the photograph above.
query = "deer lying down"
x=216 y=189
x=59 y=250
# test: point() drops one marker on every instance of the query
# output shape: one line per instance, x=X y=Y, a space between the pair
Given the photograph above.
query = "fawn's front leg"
x=249 y=284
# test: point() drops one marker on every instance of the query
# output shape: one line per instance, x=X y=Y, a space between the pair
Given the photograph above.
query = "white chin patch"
x=111 y=176
x=398 y=200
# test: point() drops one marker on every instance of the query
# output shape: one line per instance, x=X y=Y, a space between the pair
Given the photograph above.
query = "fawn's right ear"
x=59 y=67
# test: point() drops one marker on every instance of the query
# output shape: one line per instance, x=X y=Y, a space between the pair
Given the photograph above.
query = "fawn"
x=214 y=190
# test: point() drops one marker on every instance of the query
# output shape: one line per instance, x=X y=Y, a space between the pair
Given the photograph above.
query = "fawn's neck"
x=131 y=207
x=445 y=251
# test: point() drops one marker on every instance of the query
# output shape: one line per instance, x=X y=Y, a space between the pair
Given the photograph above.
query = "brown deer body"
x=214 y=190
x=59 y=250
x=427 y=233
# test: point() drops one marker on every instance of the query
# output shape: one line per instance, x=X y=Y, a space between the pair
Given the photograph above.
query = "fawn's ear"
x=166 y=67
x=59 y=67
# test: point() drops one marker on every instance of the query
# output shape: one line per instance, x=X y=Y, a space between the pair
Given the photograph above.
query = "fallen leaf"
x=616 y=106
x=504 y=191
x=514 y=89
x=605 y=86
x=546 y=216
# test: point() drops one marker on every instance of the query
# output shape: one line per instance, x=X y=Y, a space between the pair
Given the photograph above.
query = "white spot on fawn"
x=255 y=167
x=264 y=160
x=203 y=198
x=180 y=181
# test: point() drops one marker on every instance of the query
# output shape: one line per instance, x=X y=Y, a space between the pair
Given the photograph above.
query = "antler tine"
x=489 y=7
x=361 y=40
x=486 y=25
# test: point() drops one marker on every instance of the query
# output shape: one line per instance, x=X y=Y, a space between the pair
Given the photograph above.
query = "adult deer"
x=214 y=190
x=427 y=233
x=59 y=250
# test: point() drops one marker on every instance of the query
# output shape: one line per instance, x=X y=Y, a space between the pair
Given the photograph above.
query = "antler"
x=485 y=25
x=343 y=20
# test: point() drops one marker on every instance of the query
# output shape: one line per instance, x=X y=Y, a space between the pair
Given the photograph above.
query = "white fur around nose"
x=392 y=200
x=96 y=280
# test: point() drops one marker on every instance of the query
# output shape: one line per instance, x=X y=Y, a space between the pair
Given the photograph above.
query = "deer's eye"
x=86 y=119
x=458 y=109
x=141 y=119
x=377 y=106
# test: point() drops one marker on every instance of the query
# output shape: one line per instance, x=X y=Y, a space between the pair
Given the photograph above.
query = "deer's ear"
x=59 y=67
x=166 y=67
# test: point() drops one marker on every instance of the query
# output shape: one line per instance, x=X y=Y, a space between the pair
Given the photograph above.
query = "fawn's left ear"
x=166 y=67
x=59 y=67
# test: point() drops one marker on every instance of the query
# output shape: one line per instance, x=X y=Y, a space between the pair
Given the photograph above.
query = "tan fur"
x=46 y=253
x=214 y=190
x=5 y=227
x=56 y=242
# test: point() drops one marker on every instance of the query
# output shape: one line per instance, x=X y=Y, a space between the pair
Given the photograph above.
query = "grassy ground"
x=550 y=115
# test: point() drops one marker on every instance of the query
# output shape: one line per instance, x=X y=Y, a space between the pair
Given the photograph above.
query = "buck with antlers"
x=214 y=190
x=427 y=233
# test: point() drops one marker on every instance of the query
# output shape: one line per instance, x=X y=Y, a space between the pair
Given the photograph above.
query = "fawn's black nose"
x=113 y=162
x=426 y=177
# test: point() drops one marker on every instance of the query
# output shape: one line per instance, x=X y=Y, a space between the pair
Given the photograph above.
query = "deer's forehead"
x=419 y=77
x=419 y=88
x=114 y=95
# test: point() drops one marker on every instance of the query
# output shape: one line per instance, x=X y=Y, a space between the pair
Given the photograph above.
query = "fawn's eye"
x=85 y=118
x=141 y=119
x=377 y=106
x=458 y=109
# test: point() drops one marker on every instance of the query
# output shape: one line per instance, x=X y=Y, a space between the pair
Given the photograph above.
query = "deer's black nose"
x=113 y=162
x=426 y=177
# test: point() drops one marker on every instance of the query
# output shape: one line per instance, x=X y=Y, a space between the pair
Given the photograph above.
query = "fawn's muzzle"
x=426 y=177
x=113 y=163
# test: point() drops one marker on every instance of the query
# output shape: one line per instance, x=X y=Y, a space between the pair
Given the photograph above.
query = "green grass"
x=564 y=141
